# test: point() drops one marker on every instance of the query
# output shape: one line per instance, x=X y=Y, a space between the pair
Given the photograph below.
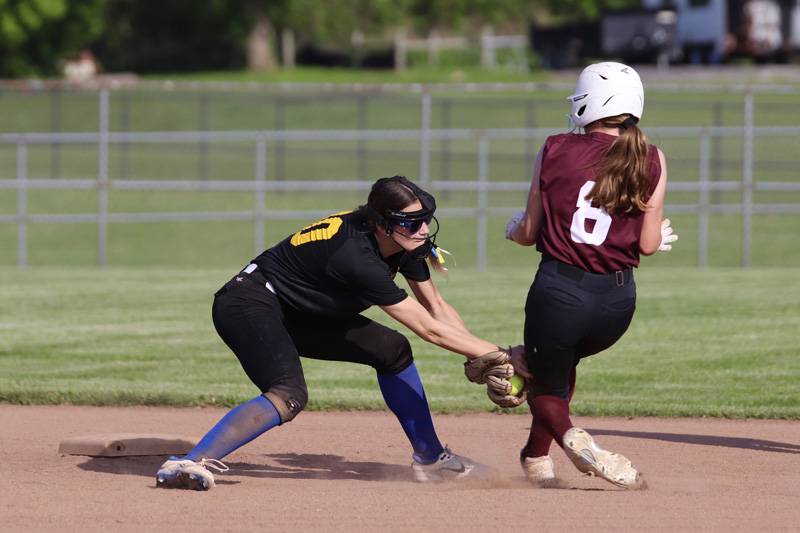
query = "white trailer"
x=710 y=30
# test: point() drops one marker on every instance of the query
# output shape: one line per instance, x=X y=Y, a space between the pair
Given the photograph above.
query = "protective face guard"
x=412 y=220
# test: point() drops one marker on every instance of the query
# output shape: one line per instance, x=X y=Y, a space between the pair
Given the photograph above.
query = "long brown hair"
x=623 y=177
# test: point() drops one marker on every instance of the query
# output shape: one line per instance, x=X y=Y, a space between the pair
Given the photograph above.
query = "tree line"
x=36 y=36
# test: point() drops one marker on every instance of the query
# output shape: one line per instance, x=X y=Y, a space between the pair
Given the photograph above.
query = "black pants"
x=571 y=314
x=268 y=339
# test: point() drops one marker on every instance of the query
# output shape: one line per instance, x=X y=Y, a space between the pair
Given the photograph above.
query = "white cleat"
x=187 y=474
x=538 y=470
x=593 y=460
x=447 y=467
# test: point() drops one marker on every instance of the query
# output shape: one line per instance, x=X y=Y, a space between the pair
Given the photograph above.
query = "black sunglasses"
x=413 y=226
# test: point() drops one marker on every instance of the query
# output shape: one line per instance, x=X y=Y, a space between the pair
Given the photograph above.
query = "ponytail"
x=623 y=177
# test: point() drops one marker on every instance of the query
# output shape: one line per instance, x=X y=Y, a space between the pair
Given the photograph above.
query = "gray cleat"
x=187 y=474
x=593 y=460
x=448 y=466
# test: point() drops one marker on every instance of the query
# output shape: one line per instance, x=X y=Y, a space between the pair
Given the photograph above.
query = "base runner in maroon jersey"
x=595 y=205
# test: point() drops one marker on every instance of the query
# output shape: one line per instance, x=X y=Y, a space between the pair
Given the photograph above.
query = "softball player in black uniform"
x=304 y=296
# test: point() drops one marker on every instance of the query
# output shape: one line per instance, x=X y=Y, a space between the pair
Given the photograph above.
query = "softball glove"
x=489 y=364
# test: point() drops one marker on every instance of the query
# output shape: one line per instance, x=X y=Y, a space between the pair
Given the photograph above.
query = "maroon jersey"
x=573 y=231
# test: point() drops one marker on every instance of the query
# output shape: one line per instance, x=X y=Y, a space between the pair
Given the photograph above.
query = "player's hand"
x=520 y=362
x=667 y=236
x=513 y=223
x=489 y=364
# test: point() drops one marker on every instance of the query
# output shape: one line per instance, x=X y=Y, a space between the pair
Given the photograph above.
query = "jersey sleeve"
x=366 y=275
x=415 y=270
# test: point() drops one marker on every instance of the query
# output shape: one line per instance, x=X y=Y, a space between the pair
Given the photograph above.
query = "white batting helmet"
x=606 y=90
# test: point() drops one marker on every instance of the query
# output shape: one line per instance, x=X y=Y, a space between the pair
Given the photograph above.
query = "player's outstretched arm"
x=523 y=228
x=415 y=317
x=432 y=300
x=488 y=363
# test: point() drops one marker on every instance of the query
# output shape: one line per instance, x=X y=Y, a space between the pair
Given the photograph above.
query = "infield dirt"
x=350 y=472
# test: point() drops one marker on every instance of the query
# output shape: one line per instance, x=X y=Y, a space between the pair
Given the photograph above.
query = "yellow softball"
x=517 y=384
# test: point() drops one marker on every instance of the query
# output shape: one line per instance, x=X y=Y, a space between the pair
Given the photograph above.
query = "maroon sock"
x=540 y=438
x=553 y=412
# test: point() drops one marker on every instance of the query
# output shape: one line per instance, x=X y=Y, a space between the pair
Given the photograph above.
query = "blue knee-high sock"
x=241 y=425
x=404 y=395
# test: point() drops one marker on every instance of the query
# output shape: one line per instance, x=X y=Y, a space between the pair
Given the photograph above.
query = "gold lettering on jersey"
x=318 y=231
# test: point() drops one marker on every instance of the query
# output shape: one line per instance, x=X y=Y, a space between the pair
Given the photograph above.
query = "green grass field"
x=217 y=244
x=721 y=342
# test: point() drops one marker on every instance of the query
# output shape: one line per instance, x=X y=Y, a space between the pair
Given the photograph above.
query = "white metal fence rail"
x=102 y=182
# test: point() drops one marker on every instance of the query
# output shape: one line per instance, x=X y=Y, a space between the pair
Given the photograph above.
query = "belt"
x=618 y=277
x=257 y=275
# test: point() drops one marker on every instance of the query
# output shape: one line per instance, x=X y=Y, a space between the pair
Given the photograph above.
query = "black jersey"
x=333 y=267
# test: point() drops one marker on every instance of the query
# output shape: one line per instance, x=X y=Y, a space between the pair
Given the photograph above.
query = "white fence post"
x=103 y=182
x=747 y=182
x=22 y=204
x=703 y=200
x=287 y=48
x=483 y=182
x=488 y=58
x=433 y=48
x=362 y=114
x=400 y=50
x=425 y=139
x=260 y=205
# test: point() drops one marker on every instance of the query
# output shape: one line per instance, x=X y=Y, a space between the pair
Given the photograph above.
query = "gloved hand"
x=513 y=223
x=499 y=391
x=667 y=236
x=489 y=364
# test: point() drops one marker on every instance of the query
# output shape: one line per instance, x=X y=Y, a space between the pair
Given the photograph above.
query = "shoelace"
x=445 y=455
x=216 y=464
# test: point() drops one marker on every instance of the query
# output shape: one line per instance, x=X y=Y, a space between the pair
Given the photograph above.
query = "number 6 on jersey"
x=602 y=220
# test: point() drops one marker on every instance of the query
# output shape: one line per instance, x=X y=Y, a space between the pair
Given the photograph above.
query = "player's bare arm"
x=415 y=317
x=650 y=237
x=431 y=299
x=526 y=231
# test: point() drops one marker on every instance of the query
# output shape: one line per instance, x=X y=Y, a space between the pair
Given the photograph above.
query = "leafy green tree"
x=185 y=35
x=585 y=9
x=323 y=23
x=457 y=14
x=332 y=22
x=35 y=35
